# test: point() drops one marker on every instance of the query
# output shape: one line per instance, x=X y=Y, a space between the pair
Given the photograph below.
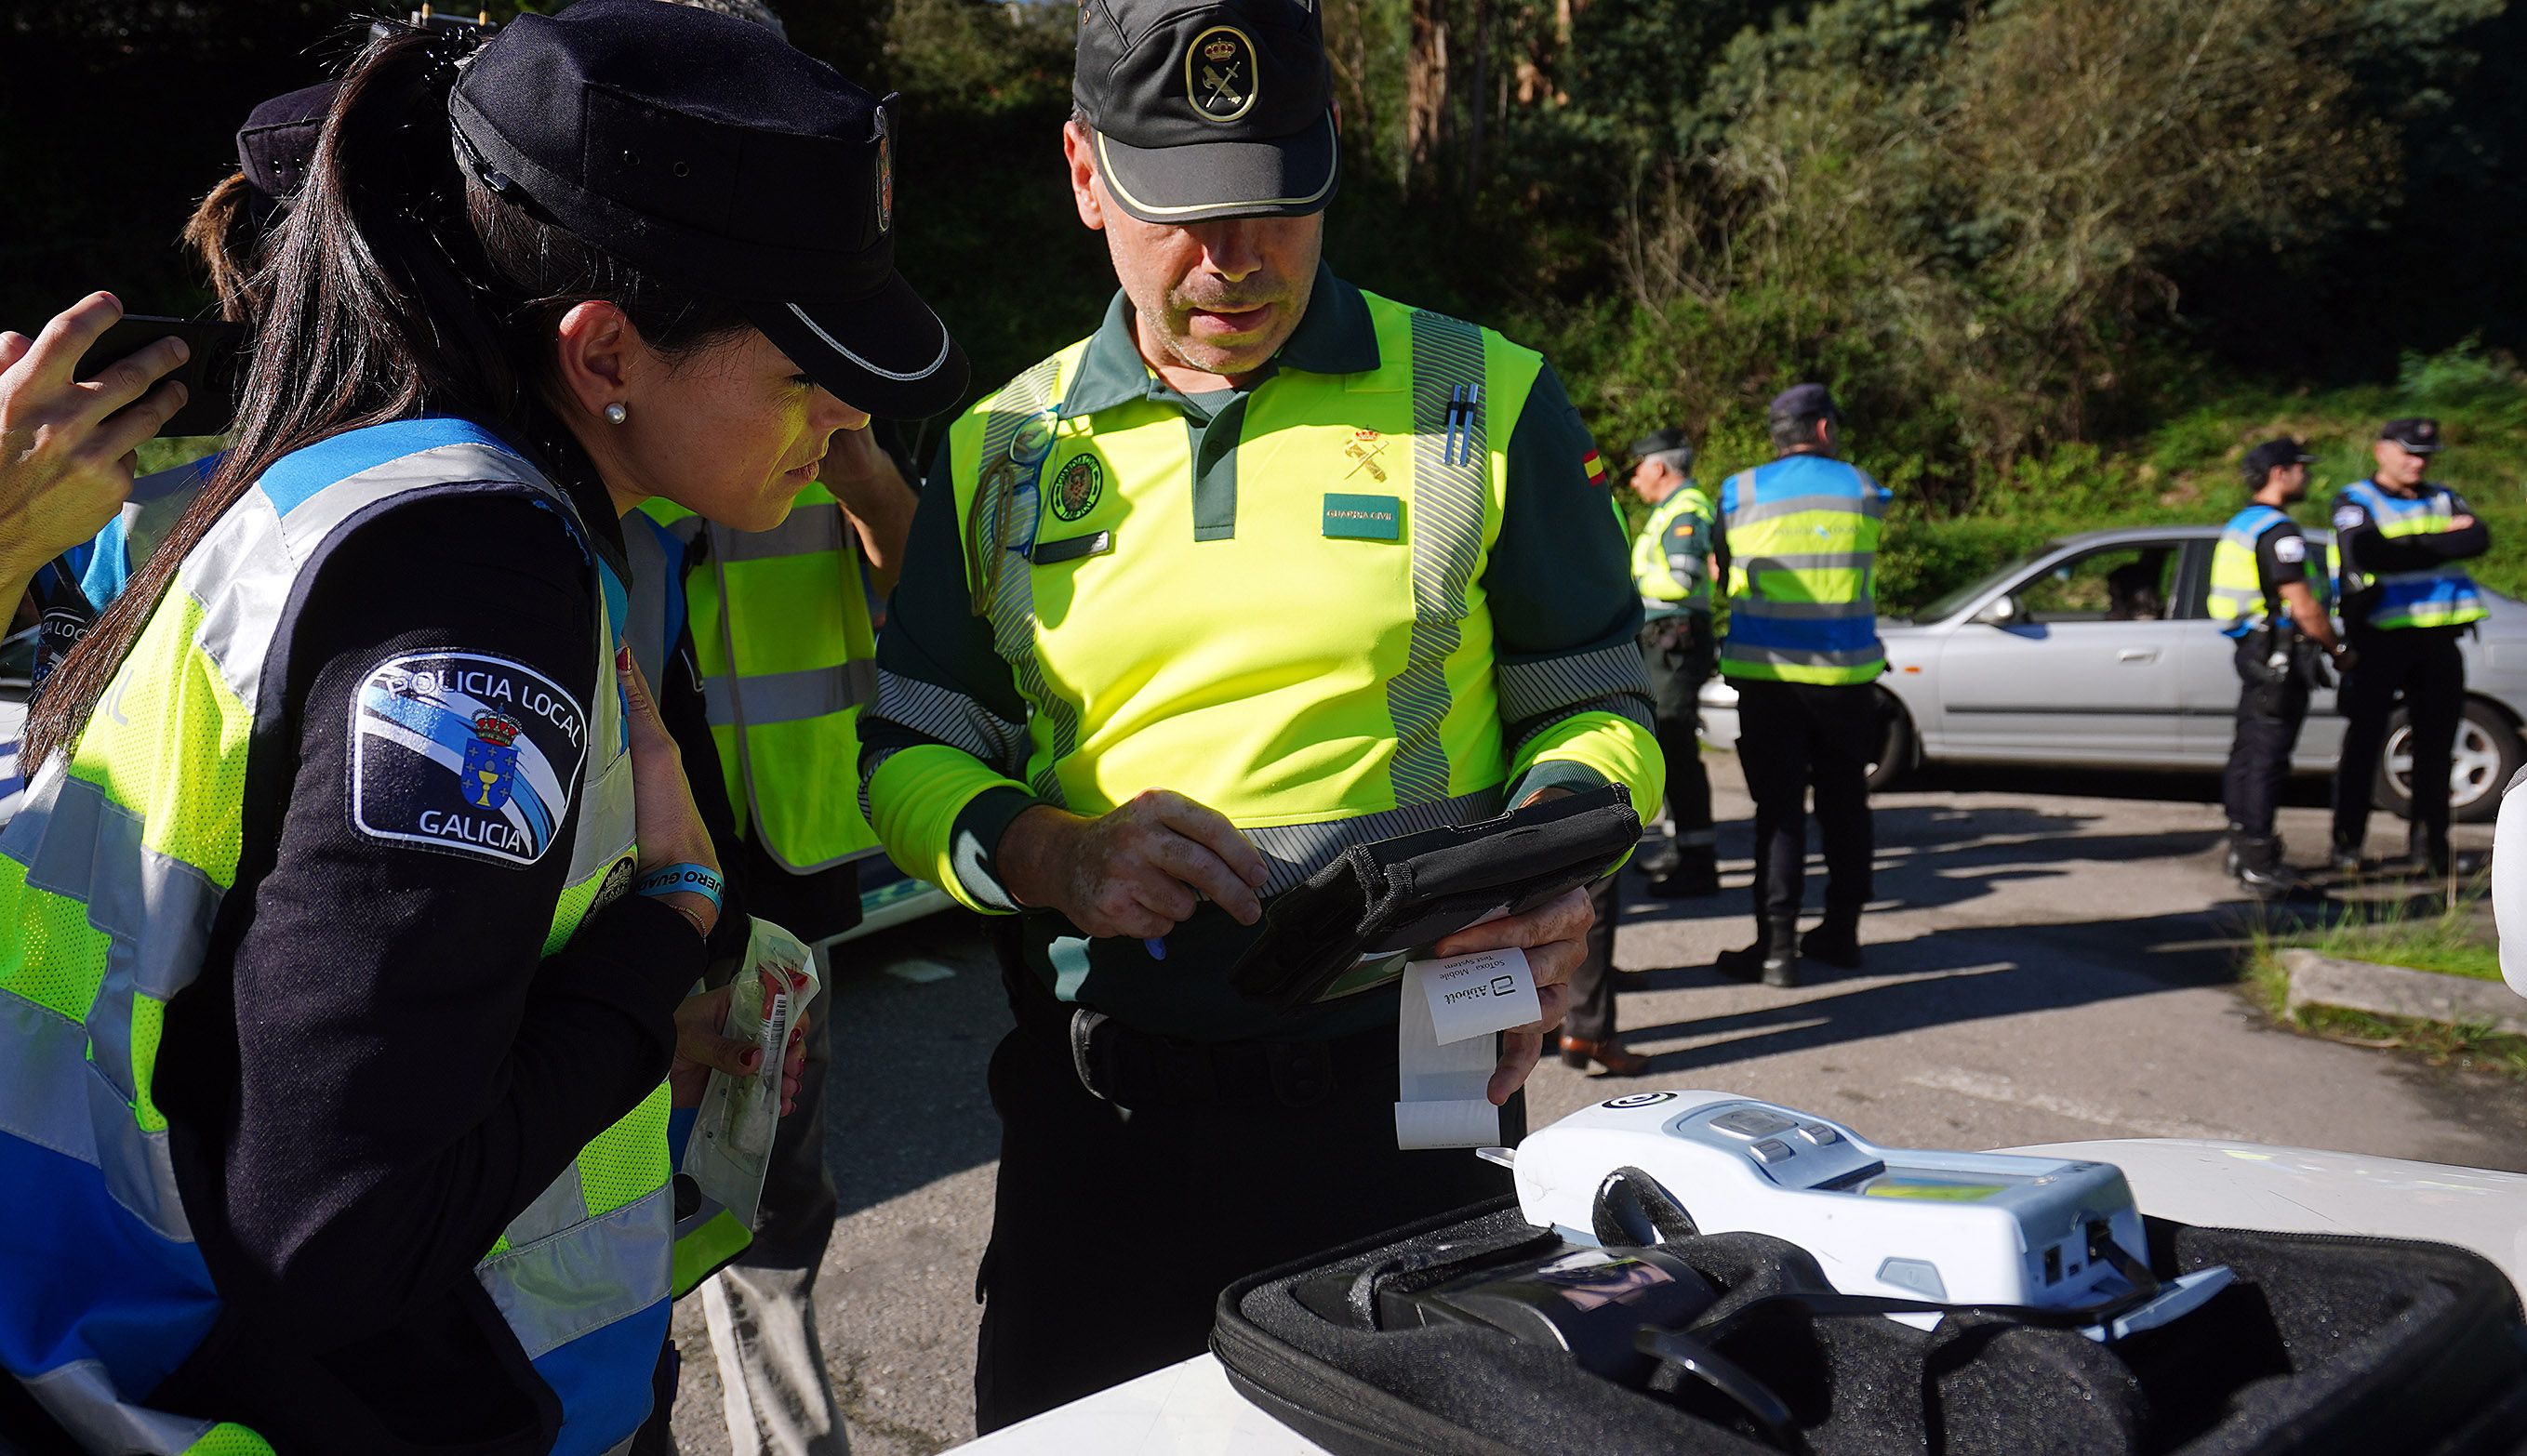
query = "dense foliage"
x=2060 y=259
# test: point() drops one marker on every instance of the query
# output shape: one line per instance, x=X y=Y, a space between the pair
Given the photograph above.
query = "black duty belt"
x=1132 y=1067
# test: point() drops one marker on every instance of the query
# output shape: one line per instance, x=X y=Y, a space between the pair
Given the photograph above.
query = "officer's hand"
x=2344 y=658
x=1555 y=937
x=2460 y=522
x=668 y=827
x=702 y=1050
x=66 y=467
x=1137 y=870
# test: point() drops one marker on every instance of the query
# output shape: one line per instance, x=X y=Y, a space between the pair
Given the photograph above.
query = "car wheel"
x=2487 y=753
x=1894 y=744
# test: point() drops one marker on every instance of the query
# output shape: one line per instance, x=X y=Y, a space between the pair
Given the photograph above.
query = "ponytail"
x=397 y=284
x=226 y=232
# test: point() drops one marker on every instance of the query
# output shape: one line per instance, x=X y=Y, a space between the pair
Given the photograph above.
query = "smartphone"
x=210 y=374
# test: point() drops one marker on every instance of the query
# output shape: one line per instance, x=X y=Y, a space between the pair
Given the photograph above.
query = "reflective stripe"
x=954 y=719
x=1533 y=690
x=1296 y=851
x=562 y=1203
x=1757 y=606
x=53 y=1096
x=1803 y=657
x=585 y=1278
x=789 y=697
x=81 y=1396
x=1006 y=512
x=79 y=844
x=1632 y=707
x=813 y=529
x=1451 y=485
x=1859 y=503
x=1803 y=561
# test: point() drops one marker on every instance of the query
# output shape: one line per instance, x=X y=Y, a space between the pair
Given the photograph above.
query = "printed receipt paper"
x=1445 y=1052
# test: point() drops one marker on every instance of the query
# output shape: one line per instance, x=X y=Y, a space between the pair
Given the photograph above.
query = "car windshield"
x=1947 y=604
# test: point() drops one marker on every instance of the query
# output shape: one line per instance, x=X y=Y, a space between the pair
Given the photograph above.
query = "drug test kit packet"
x=731 y=1145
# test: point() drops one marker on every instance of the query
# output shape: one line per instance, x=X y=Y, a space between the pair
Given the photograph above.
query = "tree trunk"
x=1426 y=94
x=1478 y=99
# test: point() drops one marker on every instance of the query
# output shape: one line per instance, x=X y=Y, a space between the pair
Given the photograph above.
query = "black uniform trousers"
x=1113 y=1233
x=2421 y=666
x=1591 y=1017
x=2270 y=713
x=1793 y=737
x=1677 y=652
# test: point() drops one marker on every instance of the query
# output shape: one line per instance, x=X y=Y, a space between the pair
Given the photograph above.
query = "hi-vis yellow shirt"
x=1373 y=592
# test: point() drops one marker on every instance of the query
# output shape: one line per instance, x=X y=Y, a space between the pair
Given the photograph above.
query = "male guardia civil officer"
x=1266 y=567
x=2406 y=600
x=1671 y=570
x=1797 y=544
x=2265 y=598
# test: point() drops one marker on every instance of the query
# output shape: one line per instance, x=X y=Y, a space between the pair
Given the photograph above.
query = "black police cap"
x=2419 y=434
x=1661 y=442
x=2270 y=456
x=703 y=149
x=278 y=142
x=1221 y=110
x=1804 y=402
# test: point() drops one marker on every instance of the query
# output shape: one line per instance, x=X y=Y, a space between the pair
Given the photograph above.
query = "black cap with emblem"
x=2420 y=436
x=704 y=149
x=1209 y=110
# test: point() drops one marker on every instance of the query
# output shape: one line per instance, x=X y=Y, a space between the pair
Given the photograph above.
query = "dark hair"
x=1799 y=429
x=226 y=232
x=397 y=284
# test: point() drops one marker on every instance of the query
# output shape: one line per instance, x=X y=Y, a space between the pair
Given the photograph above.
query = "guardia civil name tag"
x=1367 y=518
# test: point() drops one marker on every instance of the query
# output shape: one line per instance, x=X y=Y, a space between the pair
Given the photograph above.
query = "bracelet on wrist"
x=693 y=879
x=691 y=917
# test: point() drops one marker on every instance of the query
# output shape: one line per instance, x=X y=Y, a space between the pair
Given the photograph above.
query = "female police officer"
x=332 y=1116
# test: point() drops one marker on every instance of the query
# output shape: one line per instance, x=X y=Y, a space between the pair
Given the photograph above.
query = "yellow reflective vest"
x=1672 y=555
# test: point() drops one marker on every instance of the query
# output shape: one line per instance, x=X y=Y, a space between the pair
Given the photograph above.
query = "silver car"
x=2096 y=651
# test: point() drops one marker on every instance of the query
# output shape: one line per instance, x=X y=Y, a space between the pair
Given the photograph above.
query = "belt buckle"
x=1303 y=1071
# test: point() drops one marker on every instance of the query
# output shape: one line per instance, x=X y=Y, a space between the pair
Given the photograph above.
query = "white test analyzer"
x=1992 y=1231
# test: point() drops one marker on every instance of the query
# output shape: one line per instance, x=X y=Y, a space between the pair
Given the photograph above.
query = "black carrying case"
x=2324 y=1343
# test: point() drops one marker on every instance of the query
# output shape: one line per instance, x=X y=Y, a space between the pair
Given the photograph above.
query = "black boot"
x=2260 y=872
x=1773 y=959
x=1835 y=941
x=1695 y=873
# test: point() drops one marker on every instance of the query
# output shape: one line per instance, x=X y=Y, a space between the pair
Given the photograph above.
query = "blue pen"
x=1157 y=946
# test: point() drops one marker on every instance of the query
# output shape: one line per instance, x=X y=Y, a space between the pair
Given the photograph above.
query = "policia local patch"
x=466 y=753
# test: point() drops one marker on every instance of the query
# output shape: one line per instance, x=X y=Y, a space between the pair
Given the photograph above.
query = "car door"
x=2084 y=668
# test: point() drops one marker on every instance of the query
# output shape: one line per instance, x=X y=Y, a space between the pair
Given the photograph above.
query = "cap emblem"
x=1220 y=73
x=885 y=175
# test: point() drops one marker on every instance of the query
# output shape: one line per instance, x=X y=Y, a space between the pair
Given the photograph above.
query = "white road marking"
x=1993 y=1088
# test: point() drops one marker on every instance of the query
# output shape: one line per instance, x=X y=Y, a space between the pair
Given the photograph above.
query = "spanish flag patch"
x=1595 y=467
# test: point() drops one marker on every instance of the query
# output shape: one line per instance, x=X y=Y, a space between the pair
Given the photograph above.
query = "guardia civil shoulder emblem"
x=1220 y=73
x=1076 y=489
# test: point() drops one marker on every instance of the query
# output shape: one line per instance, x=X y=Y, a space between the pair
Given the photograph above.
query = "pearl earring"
x=616 y=413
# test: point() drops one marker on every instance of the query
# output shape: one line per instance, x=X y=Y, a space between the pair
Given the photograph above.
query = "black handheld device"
x=1323 y=939
x=209 y=374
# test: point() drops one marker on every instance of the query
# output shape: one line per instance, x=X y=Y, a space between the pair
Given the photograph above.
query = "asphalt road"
x=2050 y=957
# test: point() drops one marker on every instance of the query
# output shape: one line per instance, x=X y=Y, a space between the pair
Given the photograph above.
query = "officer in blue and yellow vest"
x=1797 y=545
x=1266 y=568
x=2264 y=596
x=2405 y=601
x=346 y=929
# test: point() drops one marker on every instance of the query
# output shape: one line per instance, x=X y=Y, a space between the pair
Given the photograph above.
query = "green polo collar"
x=1335 y=337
